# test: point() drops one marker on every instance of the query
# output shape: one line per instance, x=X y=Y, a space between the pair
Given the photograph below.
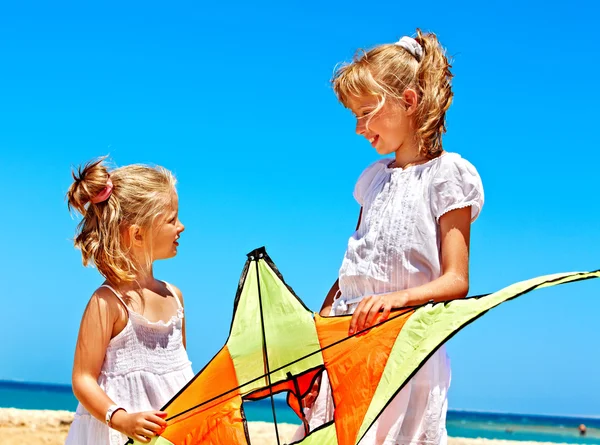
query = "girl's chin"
x=166 y=255
x=382 y=151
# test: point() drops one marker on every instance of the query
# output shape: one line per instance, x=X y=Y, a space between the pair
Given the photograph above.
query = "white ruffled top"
x=397 y=245
x=144 y=367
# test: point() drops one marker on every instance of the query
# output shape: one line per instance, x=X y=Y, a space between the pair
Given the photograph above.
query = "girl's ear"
x=136 y=235
x=411 y=101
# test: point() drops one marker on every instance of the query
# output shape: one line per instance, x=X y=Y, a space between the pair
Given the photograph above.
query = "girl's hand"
x=309 y=399
x=139 y=426
x=374 y=309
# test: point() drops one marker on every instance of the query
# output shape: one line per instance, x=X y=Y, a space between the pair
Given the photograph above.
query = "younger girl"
x=411 y=245
x=130 y=357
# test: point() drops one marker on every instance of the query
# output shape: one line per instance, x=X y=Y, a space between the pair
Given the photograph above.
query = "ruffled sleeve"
x=456 y=185
x=366 y=179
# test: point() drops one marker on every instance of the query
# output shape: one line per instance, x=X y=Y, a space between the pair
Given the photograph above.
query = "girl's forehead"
x=171 y=202
x=358 y=102
x=174 y=201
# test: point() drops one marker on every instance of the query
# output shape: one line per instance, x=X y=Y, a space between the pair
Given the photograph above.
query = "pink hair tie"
x=104 y=193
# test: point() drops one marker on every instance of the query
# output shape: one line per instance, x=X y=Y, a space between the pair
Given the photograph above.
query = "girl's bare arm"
x=455 y=229
x=95 y=333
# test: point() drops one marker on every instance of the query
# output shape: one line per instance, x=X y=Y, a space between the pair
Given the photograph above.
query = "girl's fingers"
x=359 y=316
x=157 y=420
x=366 y=310
x=352 y=323
x=150 y=426
x=370 y=310
x=316 y=384
x=355 y=315
x=387 y=310
x=309 y=400
x=147 y=432
x=372 y=315
x=141 y=438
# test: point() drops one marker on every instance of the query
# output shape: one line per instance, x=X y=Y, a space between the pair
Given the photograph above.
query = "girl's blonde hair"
x=386 y=71
x=140 y=194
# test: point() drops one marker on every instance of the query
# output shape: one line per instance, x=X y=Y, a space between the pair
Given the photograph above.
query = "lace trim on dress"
x=462 y=205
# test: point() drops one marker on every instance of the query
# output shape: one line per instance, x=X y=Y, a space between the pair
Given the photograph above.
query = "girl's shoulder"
x=377 y=166
x=455 y=183
x=104 y=304
x=174 y=290
x=108 y=297
x=367 y=176
x=450 y=163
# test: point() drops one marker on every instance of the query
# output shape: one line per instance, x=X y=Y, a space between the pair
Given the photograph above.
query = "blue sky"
x=235 y=99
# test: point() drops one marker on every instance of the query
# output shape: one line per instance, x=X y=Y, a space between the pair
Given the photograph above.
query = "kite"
x=277 y=345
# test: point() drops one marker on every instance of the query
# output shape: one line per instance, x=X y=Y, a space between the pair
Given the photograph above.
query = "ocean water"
x=460 y=423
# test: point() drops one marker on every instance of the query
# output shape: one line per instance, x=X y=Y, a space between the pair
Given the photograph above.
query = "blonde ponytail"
x=435 y=92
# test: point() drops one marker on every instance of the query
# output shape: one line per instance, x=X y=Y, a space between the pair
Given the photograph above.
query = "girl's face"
x=166 y=232
x=389 y=129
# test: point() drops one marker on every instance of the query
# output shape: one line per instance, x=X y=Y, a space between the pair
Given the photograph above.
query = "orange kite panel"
x=355 y=367
x=217 y=421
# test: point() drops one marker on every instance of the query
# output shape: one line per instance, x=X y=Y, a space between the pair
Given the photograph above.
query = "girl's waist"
x=352 y=289
x=344 y=303
x=158 y=366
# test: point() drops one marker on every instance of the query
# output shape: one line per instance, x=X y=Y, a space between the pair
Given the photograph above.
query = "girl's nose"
x=360 y=127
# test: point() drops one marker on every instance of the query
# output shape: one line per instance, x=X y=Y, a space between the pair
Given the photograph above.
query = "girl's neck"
x=143 y=280
x=408 y=155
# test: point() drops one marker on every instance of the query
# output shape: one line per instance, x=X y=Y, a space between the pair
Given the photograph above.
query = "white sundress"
x=396 y=247
x=144 y=367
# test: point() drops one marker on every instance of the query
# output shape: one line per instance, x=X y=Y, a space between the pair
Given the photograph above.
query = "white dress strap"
x=174 y=294
x=117 y=295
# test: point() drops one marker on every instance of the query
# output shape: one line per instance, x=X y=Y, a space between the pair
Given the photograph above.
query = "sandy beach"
x=30 y=427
